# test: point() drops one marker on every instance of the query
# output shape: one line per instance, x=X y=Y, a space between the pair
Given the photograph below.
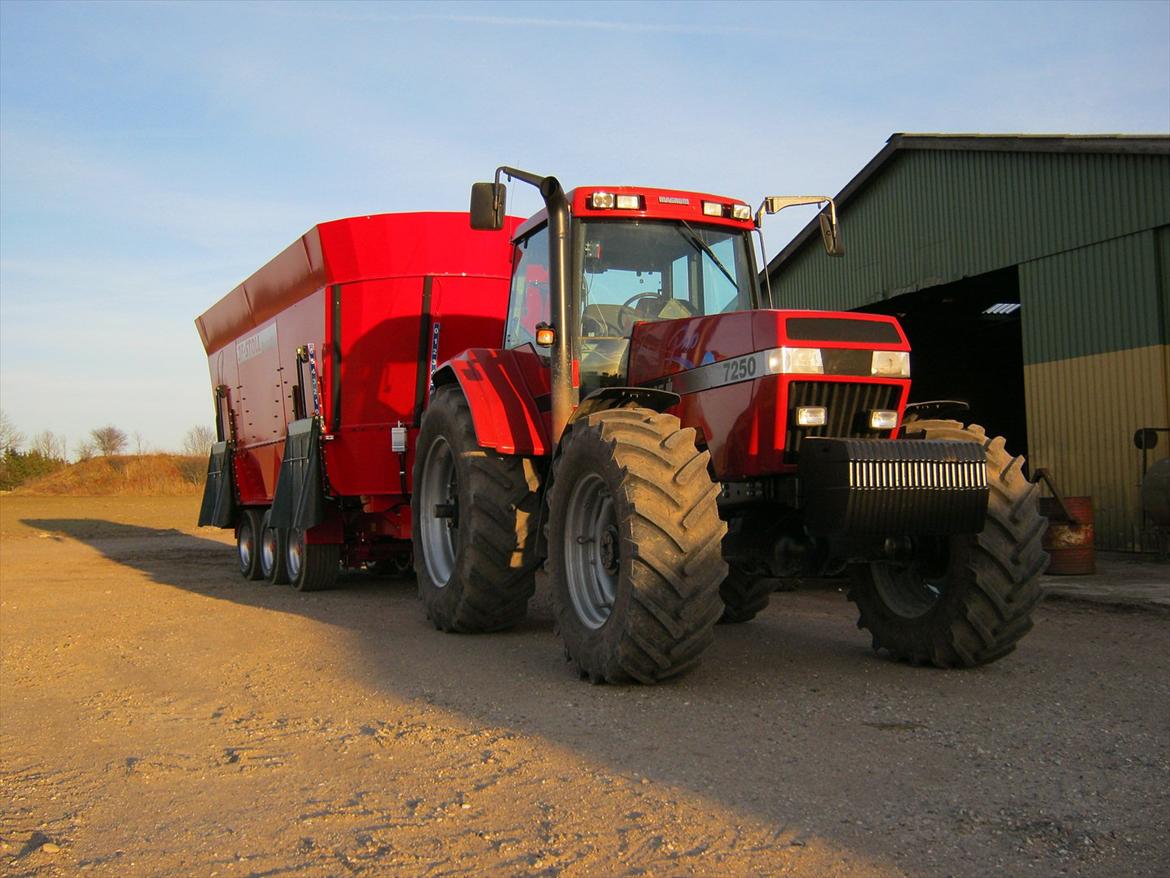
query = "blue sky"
x=154 y=155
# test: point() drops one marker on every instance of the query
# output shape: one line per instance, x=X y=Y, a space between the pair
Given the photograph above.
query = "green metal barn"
x=1032 y=274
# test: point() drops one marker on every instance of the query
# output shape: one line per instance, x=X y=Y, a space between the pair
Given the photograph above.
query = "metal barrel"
x=1069 y=538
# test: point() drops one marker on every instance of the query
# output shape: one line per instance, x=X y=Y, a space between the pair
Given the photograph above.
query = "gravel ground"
x=160 y=716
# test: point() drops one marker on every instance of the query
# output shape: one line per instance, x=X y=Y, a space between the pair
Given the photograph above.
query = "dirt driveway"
x=160 y=716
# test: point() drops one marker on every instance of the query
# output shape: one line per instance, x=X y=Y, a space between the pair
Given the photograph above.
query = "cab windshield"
x=636 y=270
x=631 y=271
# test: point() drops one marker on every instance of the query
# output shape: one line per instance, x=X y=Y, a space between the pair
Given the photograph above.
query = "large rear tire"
x=311 y=566
x=635 y=539
x=474 y=523
x=248 y=530
x=967 y=599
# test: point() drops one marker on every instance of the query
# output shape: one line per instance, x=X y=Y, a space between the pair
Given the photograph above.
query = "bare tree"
x=198 y=440
x=140 y=444
x=85 y=451
x=10 y=438
x=108 y=440
x=49 y=445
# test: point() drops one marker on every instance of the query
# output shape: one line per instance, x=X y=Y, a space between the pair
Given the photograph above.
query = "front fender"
x=508 y=393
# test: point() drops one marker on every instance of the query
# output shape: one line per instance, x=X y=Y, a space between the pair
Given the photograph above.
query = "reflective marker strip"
x=733 y=370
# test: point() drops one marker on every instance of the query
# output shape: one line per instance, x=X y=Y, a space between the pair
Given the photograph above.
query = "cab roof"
x=663 y=204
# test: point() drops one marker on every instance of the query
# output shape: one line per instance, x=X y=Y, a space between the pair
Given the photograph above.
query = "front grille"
x=847 y=407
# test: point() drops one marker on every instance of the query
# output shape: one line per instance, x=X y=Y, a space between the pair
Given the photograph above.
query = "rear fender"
x=508 y=393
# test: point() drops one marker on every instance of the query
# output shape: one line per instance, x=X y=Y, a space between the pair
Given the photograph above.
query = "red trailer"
x=332 y=343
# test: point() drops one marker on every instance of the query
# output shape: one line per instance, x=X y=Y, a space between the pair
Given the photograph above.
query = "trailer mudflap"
x=892 y=487
x=299 y=501
x=219 y=496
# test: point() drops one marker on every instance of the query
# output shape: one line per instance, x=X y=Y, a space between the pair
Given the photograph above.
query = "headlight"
x=629 y=202
x=601 y=201
x=801 y=361
x=883 y=420
x=811 y=416
x=741 y=212
x=890 y=364
x=712 y=208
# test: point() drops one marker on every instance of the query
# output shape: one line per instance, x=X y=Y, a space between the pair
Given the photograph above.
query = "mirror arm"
x=764 y=252
x=564 y=393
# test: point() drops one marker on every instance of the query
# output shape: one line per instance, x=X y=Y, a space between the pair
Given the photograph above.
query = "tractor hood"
x=742 y=378
x=679 y=354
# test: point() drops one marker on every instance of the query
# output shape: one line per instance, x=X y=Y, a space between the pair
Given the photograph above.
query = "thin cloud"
x=597 y=24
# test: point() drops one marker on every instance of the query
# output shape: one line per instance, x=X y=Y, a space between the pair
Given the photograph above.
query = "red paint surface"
x=378 y=263
x=743 y=424
x=653 y=207
x=506 y=390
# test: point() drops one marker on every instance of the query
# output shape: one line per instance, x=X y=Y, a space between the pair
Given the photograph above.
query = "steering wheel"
x=591 y=325
x=648 y=294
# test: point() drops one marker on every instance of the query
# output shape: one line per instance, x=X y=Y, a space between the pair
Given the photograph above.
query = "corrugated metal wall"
x=1082 y=414
x=1091 y=236
x=1097 y=298
x=932 y=217
x=1095 y=355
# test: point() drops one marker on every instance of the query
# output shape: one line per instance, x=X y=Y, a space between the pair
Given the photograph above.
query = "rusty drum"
x=1069 y=538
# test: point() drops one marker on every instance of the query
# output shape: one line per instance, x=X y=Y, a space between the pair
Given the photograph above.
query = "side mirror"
x=487 y=206
x=831 y=231
x=830 y=228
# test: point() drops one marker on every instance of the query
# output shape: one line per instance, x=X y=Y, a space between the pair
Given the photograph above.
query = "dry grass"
x=147 y=475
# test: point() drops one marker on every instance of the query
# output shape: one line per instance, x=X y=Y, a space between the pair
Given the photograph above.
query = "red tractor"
x=660 y=447
x=599 y=396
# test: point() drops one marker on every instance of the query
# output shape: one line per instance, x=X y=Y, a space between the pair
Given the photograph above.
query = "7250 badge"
x=739 y=369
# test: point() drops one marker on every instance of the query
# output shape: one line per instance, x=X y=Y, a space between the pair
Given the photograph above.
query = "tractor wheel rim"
x=268 y=549
x=245 y=545
x=592 y=551
x=440 y=536
x=296 y=553
x=908 y=590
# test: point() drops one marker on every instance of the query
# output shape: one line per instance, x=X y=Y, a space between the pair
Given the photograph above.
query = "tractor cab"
x=635 y=256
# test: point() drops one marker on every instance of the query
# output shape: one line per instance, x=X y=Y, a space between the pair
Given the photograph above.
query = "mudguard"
x=508 y=394
x=616 y=397
x=299 y=502
x=219 y=495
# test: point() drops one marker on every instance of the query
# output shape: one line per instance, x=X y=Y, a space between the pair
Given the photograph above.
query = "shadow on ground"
x=791 y=718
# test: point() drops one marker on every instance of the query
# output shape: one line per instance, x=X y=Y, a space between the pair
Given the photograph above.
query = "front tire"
x=474 y=523
x=248 y=544
x=967 y=599
x=634 y=546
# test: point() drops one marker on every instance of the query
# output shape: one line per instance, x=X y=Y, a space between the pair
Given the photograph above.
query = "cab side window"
x=528 y=303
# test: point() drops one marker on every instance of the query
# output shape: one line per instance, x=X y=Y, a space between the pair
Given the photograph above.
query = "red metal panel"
x=378 y=264
x=357 y=248
x=743 y=424
x=504 y=390
x=664 y=347
x=406 y=244
x=381 y=331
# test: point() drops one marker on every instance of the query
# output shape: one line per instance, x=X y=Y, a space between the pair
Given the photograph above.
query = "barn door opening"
x=966 y=344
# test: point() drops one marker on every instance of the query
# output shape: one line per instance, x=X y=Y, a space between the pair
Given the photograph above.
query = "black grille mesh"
x=848 y=408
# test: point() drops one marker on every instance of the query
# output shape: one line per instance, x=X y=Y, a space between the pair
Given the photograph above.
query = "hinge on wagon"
x=307 y=353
